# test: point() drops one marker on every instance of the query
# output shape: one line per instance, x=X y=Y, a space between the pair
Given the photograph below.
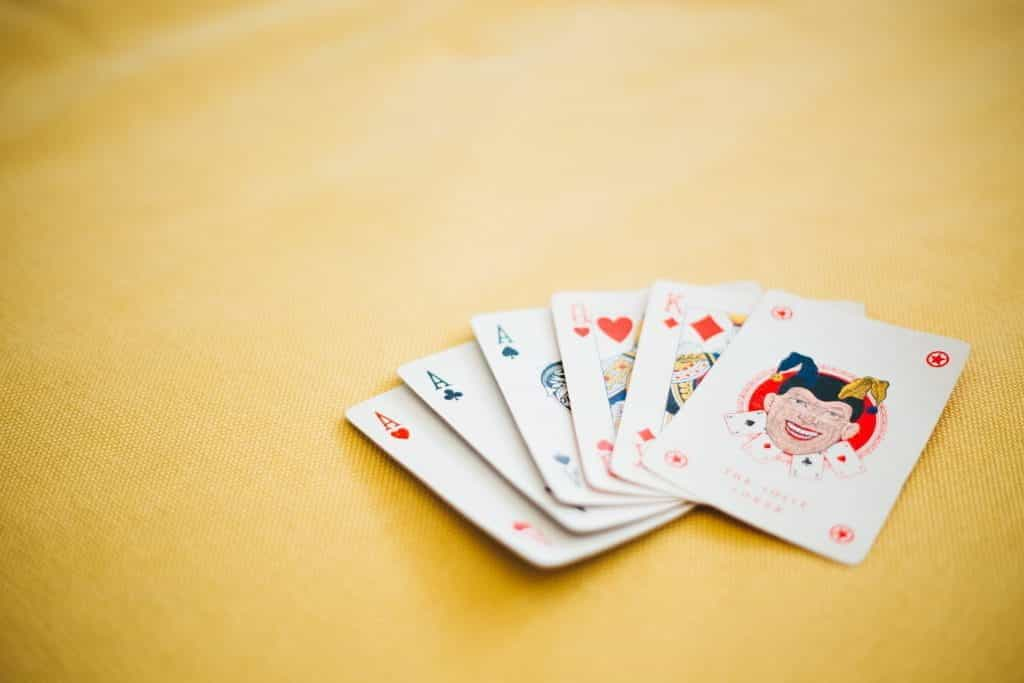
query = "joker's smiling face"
x=800 y=423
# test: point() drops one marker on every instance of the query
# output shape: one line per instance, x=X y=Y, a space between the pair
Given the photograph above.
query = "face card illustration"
x=848 y=403
x=597 y=334
x=534 y=386
x=482 y=418
x=405 y=428
x=686 y=330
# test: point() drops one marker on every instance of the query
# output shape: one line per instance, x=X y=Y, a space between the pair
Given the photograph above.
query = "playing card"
x=747 y=423
x=849 y=403
x=597 y=333
x=686 y=329
x=458 y=385
x=410 y=433
x=521 y=351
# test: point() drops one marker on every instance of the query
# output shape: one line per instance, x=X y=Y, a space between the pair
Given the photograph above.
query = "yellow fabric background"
x=226 y=222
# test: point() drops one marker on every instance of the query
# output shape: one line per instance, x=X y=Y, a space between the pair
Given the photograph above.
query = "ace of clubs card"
x=458 y=386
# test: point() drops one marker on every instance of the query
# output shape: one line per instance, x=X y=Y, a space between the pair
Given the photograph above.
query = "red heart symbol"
x=519 y=526
x=400 y=433
x=581 y=331
x=605 y=445
x=617 y=329
x=841 y=458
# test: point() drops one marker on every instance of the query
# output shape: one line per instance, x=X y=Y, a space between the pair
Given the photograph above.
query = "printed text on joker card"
x=770 y=498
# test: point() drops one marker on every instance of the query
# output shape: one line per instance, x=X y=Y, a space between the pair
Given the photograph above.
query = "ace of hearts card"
x=407 y=430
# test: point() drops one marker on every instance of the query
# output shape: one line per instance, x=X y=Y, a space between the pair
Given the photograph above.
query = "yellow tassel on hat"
x=859 y=388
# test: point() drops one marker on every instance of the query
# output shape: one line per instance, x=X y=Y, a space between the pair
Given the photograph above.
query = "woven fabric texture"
x=223 y=223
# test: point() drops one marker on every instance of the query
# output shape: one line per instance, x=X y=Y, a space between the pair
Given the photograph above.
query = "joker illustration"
x=809 y=419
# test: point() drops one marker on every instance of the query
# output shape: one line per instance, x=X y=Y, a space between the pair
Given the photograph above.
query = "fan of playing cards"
x=563 y=432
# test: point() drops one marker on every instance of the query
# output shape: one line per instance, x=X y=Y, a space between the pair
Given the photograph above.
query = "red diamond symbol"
x=645 y=434
x=706 y=327
x=671 y=322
